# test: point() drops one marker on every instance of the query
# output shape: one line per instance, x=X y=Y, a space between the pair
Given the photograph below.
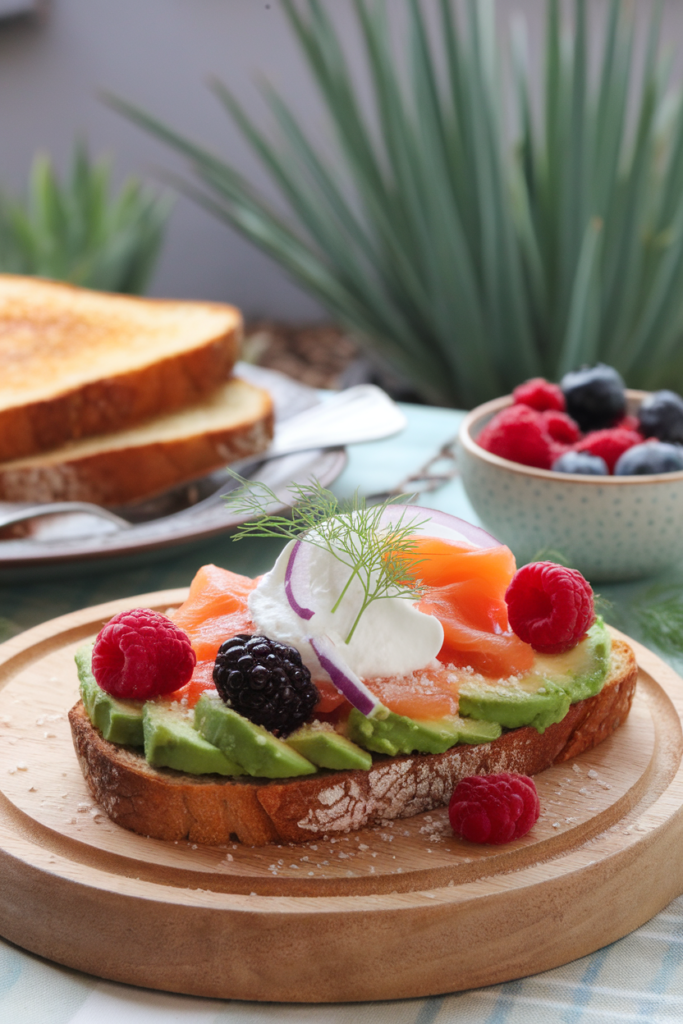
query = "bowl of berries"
x=585 y=469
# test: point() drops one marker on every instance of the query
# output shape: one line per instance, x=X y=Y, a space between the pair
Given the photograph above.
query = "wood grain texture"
x=403 y=909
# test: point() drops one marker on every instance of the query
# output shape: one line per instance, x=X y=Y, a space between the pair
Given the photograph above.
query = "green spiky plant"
x=76 y=230
x=468 y=263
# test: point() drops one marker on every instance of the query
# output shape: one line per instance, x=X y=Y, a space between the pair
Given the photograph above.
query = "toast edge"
x=121 y=401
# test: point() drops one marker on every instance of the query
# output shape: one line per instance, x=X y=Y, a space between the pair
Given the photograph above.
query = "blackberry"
x=661 y=415
x=266 y=682
x=595 y=396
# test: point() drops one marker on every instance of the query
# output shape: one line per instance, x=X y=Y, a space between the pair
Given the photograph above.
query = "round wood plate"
x=402 y=910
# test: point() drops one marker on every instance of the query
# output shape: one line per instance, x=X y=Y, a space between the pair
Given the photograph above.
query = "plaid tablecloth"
x=638 y=979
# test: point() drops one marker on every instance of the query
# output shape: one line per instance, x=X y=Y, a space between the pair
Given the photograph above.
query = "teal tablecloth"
x=638 y=979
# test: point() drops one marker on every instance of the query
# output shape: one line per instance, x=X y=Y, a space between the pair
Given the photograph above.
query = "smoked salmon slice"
x=213 y=592
x=215 y=610
x=466 y=591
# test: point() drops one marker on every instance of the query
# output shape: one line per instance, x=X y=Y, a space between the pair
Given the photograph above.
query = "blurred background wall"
x=159 y=54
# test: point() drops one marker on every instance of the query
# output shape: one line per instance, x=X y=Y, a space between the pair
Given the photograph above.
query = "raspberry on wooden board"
x=494 y=809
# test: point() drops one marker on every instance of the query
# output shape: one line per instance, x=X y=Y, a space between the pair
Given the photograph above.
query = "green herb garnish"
x=380 y=556
x=660 y=617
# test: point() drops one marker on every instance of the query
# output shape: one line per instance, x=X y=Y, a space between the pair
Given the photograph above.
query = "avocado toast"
x=489 y=703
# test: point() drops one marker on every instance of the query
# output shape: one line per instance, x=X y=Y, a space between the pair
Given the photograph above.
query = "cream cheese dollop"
x=393 y=638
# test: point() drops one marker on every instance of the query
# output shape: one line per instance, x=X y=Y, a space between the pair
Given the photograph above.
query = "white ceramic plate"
x=77 y=540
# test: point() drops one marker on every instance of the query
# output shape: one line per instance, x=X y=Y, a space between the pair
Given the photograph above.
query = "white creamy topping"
x=392 y=637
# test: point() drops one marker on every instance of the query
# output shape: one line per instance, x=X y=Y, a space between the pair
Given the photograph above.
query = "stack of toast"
x=112 y=399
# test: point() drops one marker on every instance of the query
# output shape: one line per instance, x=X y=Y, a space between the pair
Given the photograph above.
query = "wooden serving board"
x=402 y=910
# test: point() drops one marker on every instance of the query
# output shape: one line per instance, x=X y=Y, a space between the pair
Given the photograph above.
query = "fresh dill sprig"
x=660 y=617
x=382 y=558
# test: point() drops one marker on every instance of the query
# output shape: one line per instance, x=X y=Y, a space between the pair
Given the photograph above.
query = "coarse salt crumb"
x=22 y=766
x=311 y=873
x=592 y=774
x=556 y=824
x=12 y=771
x=295 y=866
x=228 y=857
x=576 y=768
x=363 y=846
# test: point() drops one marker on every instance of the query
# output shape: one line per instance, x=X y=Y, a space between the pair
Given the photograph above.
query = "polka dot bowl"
x=610 y=528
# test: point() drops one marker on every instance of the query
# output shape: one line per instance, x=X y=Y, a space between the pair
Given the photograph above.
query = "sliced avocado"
x=543 y=695
x=328 y=748
x=512 y=704
x=171 y=741
x=260 y=753
x=119 y=721
x=397 y=734
x=581 y=671
x=474 y=730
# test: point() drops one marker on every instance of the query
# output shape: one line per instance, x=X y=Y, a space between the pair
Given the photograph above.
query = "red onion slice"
x=346 y=681
x=472 y=534
x=296 y=576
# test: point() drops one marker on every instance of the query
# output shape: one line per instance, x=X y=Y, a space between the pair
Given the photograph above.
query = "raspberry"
x=519 y=433
x=561 y=427
x=628 y=422
x=539 y=394
x=550 y=606
x=609 y=444
x=141 y=654
x=494 y=809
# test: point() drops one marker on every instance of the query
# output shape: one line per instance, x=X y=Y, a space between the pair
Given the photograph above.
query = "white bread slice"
x=167 y=804
x=76 y=363
x=232 y=423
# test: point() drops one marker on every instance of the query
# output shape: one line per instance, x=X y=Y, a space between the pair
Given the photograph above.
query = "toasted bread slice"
x=76 y=363
x=166 y=804
x=232 y=423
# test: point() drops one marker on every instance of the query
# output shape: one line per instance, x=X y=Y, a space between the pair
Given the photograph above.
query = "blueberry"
x=661 y=415
x=595 y=396
x=581 y=462
x=650 y=457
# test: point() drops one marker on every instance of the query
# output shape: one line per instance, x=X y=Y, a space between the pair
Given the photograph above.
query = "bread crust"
x=119 y=475
x=113 y=401
x=166 y=804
